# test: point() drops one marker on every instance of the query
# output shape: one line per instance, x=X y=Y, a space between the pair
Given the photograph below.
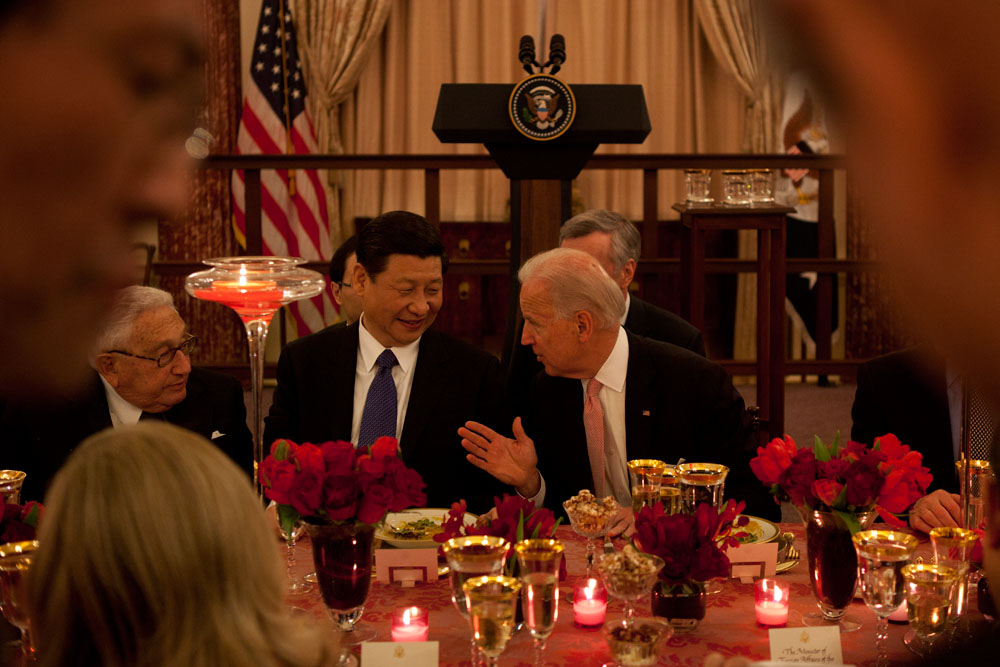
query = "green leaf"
x=835 y=447
x=820 y=450
x=288 y=517
x=281 y=450
x=520 y=526
x=32 y=518
x=850 y=521
x=841 y=499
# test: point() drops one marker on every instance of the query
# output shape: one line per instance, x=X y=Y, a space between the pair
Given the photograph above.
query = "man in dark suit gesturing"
x=607 y=396
x=142 y=372
x=388 y=374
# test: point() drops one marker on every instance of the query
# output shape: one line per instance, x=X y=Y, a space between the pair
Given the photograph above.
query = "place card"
x=818 y=645
x=406 y=566
x=411 y=654
x=749 y=561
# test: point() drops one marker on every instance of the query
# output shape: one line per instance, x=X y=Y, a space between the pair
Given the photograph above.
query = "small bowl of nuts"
x=629 y=574
x=637 y=644
x=589 y=514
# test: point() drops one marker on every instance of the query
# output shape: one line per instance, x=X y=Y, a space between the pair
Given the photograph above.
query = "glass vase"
x=833 y=564
x=683 y=605
x=342 y=554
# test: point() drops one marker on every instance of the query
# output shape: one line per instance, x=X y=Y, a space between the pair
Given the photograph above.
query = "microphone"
x=557 y=52
x=526 y=54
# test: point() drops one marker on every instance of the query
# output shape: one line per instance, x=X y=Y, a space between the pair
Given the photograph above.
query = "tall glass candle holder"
x=255 y=287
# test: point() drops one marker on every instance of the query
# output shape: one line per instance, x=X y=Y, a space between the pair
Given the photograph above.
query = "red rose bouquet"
x=19 y=522
x=514 y=518
x=692 y=546
x=845 y=479
x=335 y=481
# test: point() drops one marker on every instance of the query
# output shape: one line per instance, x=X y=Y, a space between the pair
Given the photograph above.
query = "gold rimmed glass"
x=930 y=589
x=979 y=472
x=15 y=559
x=951 y=549
x=701 y=483
x=882 y=554
x=646 y=477
x=538 y=560
x=470 y=557
x=10 y=486
x=492 y=601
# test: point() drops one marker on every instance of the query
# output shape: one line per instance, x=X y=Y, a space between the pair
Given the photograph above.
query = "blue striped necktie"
x=379 y=415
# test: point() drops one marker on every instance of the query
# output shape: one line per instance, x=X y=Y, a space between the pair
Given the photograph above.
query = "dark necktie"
x=379 y=415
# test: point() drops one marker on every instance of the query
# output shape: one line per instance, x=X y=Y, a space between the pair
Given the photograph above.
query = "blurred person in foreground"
x=99 y=98
x=342 y=281
x=142 y=371
x=606 y=397
x=155 y=551
x=915 y=84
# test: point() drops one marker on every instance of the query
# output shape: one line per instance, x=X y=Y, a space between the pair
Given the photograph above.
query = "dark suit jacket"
x=677 y=404
x=39 y=439
x=643 y=319
x=905 y=393
x=453 y=382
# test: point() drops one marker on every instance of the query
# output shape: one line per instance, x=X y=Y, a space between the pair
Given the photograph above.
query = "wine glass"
x=295 y=585
x=15 y=559
x=492 y=601
x=629 y=575
x=702 y=483
x=539 y=560
x=882 y=554
x=10 y=486
x=255 y=287
x=930 y=589
x=646 y=477
x=469 y=557
x=589 y=518
x=951 y=549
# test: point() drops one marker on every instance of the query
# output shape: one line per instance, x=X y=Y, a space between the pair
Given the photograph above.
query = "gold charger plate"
x=435 y=514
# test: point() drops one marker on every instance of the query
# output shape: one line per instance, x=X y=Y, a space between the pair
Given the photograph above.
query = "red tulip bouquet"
x=337 y=482
x=847 y=479
x=19 y=522
x=514 y=518
x=692 y=546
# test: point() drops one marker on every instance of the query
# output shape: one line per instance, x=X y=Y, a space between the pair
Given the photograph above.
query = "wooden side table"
x=769 y=222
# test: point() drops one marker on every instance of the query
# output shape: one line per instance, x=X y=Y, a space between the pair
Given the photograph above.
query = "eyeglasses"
x=164 y=359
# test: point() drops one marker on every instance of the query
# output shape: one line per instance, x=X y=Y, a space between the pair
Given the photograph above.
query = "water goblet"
x=10 y=486
x=930 y=589
x=15 y=559
x=538 y=560
x=492 y=600
x=629 y=575
x=295 y=585
x=701 y=483
x=882 y=554
x=468 y=557
x=951 y=549
x=646 y=477
x=589 y=518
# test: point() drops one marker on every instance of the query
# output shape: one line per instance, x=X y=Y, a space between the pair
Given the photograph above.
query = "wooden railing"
x=826 y=265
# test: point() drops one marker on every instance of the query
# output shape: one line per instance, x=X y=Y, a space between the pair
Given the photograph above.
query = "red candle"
x=771 y=602
x=590 y=603
x=409 y=624
x=251 y=299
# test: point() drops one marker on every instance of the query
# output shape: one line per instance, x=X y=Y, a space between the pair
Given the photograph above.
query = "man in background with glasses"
x=142 y=371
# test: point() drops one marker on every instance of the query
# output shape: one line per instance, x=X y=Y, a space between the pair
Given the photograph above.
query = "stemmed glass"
x=15 y=559
x=951 y=548
x=470 y=557
x=492 y=601
x=646 y=477
x=589 y=518
x=930 y=589
x=539 y=560
x=10 y=486
x=295 y=585
x=882 y=554
x=629 y=575
x=255 y=287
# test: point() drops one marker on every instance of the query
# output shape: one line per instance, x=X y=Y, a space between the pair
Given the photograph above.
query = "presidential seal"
x=542 y=107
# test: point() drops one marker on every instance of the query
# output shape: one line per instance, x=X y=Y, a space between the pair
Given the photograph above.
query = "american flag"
x=294 y=217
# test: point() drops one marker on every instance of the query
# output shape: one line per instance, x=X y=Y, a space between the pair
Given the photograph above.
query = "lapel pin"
x=645 y=413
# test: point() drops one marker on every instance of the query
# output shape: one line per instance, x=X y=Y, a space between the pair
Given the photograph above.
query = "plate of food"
x=759 y=531
x=415 y=528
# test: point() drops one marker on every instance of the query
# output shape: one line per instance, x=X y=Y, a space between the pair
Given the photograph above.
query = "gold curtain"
x=693 y=105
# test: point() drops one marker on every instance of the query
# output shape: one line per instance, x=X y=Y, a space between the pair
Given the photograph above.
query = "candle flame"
x=591 y=587
x=243 y=276
x=406 y=617
x=778 y=595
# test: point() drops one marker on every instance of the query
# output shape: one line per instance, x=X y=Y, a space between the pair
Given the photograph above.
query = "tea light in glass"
x=590 y=603
x=771 y=602
x=410 y=624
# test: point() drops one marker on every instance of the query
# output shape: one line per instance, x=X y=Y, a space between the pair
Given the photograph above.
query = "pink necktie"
x=593 y=426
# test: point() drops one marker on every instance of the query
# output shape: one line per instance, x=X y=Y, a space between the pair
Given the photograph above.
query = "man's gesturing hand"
x=512 y=461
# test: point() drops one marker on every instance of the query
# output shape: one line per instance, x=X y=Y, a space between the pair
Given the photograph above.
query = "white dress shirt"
x=369 y=350
x=122 y=412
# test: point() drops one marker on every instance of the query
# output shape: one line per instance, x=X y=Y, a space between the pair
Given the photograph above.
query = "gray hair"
x=577 y=282
x=130 y=303
x=626 y=243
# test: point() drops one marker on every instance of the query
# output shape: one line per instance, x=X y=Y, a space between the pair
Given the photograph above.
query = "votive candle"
x=590 y=603
x=771 y=602
x=409 y=624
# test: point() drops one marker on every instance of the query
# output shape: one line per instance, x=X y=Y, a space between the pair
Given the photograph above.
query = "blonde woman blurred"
x=156 y=552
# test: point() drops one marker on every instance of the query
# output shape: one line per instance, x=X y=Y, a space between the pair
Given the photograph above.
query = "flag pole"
x=286 y=109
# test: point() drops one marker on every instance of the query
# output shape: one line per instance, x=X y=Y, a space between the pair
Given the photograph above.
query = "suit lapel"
x=340 y=367
x=640 y=409
x=635 y=321
x=428 y=377
x=94 y=407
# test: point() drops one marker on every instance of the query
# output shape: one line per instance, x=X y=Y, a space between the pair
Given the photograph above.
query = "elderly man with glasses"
x=143 y=371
